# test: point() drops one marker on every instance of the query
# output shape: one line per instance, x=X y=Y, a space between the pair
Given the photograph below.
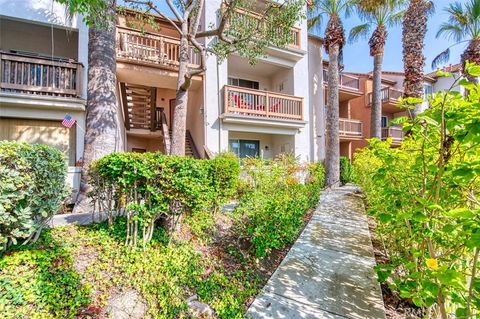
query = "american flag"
x=68 y=121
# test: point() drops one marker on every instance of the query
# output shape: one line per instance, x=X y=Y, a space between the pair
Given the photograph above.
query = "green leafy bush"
x=271 y=213
x=425 y=196
x=346 y=170
x=32 y=189
x=151 y=185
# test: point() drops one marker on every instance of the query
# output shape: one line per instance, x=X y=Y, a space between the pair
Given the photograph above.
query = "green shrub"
x=425 y=196
x=32 y=189
x=271 y=213
x=151 y=185
x=346 y=170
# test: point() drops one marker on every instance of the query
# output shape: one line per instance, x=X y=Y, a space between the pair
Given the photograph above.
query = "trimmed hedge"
x=150 y=185
x=32 y=189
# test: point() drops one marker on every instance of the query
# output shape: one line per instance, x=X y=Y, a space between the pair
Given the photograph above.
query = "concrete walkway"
x=328 y=273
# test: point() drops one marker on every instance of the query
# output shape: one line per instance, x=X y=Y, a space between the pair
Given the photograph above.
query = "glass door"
x=245 y=148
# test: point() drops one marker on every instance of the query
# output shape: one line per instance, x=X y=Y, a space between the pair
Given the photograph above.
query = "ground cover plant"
x=77 y=271
x=425 y=198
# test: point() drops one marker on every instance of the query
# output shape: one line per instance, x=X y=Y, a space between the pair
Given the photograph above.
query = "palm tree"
x=413 y=38
x=380 y=17
x=334 y=42
x=463 y=26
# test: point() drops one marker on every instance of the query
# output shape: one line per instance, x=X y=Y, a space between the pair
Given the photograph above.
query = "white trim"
x=41 y=101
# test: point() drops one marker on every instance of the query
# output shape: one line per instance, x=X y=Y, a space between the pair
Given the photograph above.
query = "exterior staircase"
x=190 y=148
x=139 y=106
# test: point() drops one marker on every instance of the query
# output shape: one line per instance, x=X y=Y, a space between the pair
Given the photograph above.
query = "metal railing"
x=40 y=76
x=263 y=104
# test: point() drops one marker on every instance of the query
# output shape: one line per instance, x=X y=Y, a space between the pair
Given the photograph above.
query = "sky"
x=357 y=55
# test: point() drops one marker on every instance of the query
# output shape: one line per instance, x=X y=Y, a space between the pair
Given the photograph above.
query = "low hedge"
x=271 y=210
x=150 y=185
x=32 y=189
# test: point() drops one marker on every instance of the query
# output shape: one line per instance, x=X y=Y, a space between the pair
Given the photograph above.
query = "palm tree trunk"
x=472 y=55
x=180 y=113
x=413 y=39
x=102 y=116
x=332 y=152
x=376 y=111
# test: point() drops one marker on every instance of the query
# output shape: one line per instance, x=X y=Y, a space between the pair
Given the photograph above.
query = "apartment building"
x=392 y=90
x=43 y=77
x=260 y=110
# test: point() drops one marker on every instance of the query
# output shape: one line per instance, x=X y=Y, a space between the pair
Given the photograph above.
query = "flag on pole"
x=68 y=121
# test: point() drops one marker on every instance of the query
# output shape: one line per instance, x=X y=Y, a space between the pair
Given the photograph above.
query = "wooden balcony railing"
x=151 y=48
x=388 y=94
x=394 y=132
x=346 y=81
x=31 y=75
x=262 y=104
x=350 y=128
x=253 y=19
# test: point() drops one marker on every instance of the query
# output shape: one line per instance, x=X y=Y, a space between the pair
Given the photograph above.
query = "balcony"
x=39 y=76
x=349 y=86
x=151 y=49
x=390 y=98
x=243 y=105
x=350 y=129
x=393 y=132
x=293 y=50
x=253 y=19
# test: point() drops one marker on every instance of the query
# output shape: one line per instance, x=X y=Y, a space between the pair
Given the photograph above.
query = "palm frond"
x=451 y=31
x=442 y=58
x=358 y=32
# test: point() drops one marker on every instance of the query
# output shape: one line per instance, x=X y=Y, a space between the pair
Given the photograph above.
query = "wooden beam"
x=126 y=116
x=153 y=106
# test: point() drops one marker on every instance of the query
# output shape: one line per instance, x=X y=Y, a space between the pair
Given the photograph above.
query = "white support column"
x=216 y=76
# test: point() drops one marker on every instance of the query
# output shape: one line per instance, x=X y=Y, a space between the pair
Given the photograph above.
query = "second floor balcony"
x=242 y=105
x=151 y=49
x=389 y=97
x=28 y=74
x=393 y=132
x=350 y=129
x=349 y=86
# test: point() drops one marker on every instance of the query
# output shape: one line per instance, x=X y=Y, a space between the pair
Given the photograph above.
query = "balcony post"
x=267 y=104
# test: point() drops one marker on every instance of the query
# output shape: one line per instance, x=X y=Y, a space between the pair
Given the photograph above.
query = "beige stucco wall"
x=36 y=38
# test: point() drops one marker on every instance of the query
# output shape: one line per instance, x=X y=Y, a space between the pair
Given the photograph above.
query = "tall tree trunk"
x=472 y=55
x=180 y=114
x=101 y=129
x=413 y=39
x=332 y=153
x=376 y=111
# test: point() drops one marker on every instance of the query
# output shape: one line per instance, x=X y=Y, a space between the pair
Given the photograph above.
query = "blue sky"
x=357 y=57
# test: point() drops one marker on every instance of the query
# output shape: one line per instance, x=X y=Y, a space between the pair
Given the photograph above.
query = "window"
x=427 y=90
x=244 y=83
x=384 y=121
x=244 y=148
